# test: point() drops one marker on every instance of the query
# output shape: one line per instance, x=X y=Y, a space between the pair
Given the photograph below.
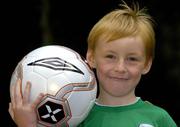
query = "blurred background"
x=26 y=25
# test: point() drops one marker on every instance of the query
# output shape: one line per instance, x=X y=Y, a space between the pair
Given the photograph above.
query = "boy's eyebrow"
x=133 y=53
x=110 y=51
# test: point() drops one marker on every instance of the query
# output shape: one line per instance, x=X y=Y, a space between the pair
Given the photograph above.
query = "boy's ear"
x=90 y=58
x=147 y=67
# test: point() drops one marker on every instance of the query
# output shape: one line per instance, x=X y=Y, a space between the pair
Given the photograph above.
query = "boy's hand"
x=21 y=109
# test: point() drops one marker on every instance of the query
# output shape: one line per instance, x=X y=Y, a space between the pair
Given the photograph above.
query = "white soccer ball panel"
x=56 y=83
x=38 y=84
x=53 y=50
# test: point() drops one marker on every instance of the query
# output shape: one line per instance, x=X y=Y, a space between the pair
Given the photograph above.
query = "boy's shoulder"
x=161 y=113
x=156 y=109
x=152 y=106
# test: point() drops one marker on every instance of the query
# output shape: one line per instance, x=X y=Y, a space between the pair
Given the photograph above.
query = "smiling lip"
x=119 y=78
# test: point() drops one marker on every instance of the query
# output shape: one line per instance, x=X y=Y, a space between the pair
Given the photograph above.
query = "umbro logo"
x=56 y=63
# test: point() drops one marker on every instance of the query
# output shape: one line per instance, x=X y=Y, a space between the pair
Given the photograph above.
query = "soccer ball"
x=65 y=78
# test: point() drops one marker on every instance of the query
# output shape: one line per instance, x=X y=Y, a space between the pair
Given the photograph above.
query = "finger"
x=10 y=110
x=17 y=92
x=12 y=89
x=37 y=100
x=26 y=94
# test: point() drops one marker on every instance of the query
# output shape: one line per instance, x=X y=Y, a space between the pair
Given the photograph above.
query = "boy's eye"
x=110 y=56
x=132 y=59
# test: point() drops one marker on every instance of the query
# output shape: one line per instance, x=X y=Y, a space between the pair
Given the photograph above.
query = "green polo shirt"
x=139 y=114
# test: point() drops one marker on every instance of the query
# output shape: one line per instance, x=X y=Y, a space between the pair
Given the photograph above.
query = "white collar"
x=137 y=99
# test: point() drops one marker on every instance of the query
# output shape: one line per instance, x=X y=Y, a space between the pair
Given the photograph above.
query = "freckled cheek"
x=101 y=70
x=135 y=73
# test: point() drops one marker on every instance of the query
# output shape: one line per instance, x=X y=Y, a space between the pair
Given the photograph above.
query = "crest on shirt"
x=145 y=125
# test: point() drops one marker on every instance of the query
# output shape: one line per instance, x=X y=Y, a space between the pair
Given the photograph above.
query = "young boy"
x=121 y=50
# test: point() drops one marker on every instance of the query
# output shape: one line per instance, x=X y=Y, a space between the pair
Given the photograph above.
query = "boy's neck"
x=113 y=101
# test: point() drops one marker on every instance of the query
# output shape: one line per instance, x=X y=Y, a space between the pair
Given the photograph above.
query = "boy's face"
x=119 y=65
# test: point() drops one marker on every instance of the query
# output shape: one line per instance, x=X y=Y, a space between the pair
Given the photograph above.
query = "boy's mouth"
x=119 y=78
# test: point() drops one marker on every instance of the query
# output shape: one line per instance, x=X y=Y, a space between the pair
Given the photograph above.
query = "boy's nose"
x=120 y=66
